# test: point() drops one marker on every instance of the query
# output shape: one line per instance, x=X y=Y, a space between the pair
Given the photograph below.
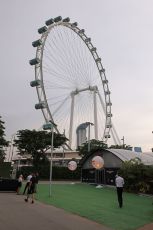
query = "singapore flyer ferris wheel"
x=70 y=80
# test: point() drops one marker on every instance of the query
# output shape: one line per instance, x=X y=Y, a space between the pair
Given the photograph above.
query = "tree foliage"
x=3 y=142
x=36 y=143
x=138 y=177
x=94 y=146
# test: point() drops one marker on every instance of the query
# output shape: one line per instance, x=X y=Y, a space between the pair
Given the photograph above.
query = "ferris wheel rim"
x=97 y=60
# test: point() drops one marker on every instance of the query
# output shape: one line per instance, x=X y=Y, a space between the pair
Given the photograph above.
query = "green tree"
x=36 y=143
x=3 y=142
x=138 y=177
x=94 y=146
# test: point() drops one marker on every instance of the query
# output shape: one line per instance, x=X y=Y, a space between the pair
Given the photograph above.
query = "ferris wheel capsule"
x=37 y=43
x=34 y=61
x=49 y=22
x=98 y=60
x=109 y=104
x=40 y=105
x=88 y=40
x=57 y=19
x=74 y=24
x=93 y=49
x=102 y=70
x=107 y=92
x=109 y=126
x=35 y=83
x=107 y=136
x=109 y=115
x=66 y=19
x=42 y=30
x=105 y=81
x=81 y=31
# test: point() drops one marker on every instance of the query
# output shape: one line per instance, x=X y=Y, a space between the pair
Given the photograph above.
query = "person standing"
x=27 y=184
x=119 y=181
x=20 y=179
x=31 y=188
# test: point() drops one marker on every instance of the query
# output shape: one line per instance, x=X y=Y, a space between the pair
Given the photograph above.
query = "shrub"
x=58 y=173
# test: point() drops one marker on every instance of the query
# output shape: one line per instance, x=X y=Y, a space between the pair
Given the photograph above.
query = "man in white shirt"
x=27 y=184
x=119 y=185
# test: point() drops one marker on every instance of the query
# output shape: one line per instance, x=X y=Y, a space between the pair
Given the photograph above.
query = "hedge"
x=58 y=173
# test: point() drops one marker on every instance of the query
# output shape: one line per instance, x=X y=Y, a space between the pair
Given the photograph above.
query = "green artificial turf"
x=99 y=204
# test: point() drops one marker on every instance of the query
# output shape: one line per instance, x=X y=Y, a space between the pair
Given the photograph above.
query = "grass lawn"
x=99 y=205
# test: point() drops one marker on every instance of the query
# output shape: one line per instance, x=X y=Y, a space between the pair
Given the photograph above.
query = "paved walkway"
x=147 y=227
x=15 y=214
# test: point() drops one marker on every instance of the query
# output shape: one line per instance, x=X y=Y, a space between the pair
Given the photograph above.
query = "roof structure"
x=126 y=155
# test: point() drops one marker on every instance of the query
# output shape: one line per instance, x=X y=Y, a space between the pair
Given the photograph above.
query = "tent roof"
x=126 y=155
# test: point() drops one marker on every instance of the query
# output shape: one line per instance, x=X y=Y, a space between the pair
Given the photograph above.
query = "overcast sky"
x=122 y=31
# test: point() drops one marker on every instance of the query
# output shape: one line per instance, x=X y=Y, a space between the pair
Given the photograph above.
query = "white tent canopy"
x=126 y=155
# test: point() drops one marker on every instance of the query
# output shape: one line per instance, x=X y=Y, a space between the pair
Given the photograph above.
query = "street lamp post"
x=50 y=126
x=89 y=139
x=51 y=159
x=123 y=141
x=63 y=150
x=152 y=148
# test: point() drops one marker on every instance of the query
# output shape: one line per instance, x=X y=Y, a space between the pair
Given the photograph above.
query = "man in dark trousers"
x=27 y=184
x=119 y=186
x=31 y=188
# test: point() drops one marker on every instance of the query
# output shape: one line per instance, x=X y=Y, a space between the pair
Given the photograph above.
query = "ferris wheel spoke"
x=67 y=51
x=59 y=66
x=58 y=76
x=61 y=105
x=79 y=57
x=69 y=58
x=74 y=53
x=59 y=61
x=83 y=64
x=84 y=54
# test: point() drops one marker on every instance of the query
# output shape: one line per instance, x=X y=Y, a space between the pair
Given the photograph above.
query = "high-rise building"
x=81 y=134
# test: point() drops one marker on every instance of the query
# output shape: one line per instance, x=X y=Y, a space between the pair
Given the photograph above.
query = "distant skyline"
x=122 y=32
